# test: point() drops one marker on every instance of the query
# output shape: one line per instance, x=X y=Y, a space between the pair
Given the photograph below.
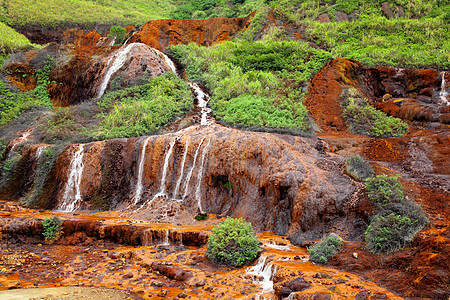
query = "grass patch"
x=233 y=243
x=11 y=41
x=54 y=12
x=248 y=78
x=139 y=110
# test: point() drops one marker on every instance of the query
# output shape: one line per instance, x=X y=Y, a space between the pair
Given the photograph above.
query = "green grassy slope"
x=55 y=12
x=12 y=41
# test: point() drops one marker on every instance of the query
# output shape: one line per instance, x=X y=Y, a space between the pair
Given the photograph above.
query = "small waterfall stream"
x=443 y=94
x=202 y=100
x=188 y=178
x=263 y=271
x=198 y=196
x=183 y=161
x=138 y=193
x=40 y=151
x=72 y=195
x=118 y=60
x=162 y=189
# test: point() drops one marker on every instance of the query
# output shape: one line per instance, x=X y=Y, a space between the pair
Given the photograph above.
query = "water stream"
x=138 y=193
x=162 y=189
x=443 y=94
x=183 y=162
x=263 y=273
x=202 y=102
x=72 y=195
x=188 y=178
x=198 y=196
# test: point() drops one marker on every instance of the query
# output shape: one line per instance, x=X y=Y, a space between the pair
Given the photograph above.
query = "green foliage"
x=201 y=216
x=12 y=103
x=205 y=9
x=52 y=228
x=358 y=168
x=367 y=120
x=233 y=243
x=117 y=34
x=398 y=219
x=249 y=78
x=8 y=166
x=55 y=12
x=325 y=249
x=12 y=41
x=382 y=190
x=142 y=109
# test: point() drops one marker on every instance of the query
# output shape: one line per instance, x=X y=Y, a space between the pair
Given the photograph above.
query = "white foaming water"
x=199 y=178
x=118 y=60
x=39 y=152
x=21 y=139
x=166 y=238
x=188 y=178
x=443 y=93
x=168 y=61
x=162 y=189
x=183 y=161
x=112 y=42
x=263 y=272
x=202 y=100
x=72 y=194
x=273 y=245
x=138 y=193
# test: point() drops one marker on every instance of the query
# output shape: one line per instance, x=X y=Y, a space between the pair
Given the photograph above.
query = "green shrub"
x=201 y=216
x=358 y=168
x=233 y=243
x=325 y=249
x=117 y=34
x=382 y=190
x=367 y=120
x=398 y=218
x=52 y=228
x=139 y=110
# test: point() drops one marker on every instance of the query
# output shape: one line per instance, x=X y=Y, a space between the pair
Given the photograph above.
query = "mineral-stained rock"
x=279 y=183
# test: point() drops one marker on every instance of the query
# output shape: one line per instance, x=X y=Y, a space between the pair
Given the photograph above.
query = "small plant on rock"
x=233 y=243
x=325 y=249
x=358 y=168
x=52 y=229
x=117 y=34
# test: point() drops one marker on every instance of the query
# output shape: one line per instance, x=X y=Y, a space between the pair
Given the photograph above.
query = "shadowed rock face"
x=419 y=90
x=279 y=183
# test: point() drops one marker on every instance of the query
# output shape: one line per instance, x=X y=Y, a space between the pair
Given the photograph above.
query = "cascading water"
x=166 y=238
x=114 y=64
x=138 y=193
x=199 y=178
x=72 y=195
x=162 y=189
x=202 y=100
x=188 y=178
x=167 y=60
x=443 y=93
x=263 y=271
x=40 y=151
x=183 y=161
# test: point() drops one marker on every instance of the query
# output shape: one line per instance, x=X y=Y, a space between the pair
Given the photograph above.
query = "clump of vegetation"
x=201 y=216
x=117 y=34
x=247 y=79
x=367 y=120
x=139 y=110
x=398 y=218
x=11 y=41
x=233 y=243
x=325 y=249
x=206 y=9
x=52 y=229
x=358 y=168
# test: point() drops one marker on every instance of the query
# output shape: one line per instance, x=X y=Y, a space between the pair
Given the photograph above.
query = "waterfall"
x=183 y=161
x=263 y=270
x=188 y=178
x=138 y=193
x=162 y=190
x=443 y=93
x=199 y=178
x=202 y=100
x=112 y=42
x=166 y=238
x=167 y=60
x=72 y=196
x=118 y=60
x=40 y=151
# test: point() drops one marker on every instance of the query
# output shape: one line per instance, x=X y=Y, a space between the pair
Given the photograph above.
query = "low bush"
x=52 y=229
x=398 y=218
x=358 y=168
x=325 y=249
x=117 y=34
x=233 y=243
x=367 y=120
x=139 y=110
